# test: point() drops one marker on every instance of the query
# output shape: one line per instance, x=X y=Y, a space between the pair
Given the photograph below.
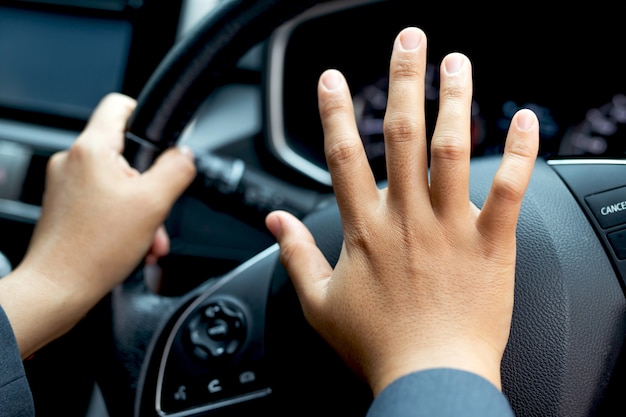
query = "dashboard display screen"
x=60 y=64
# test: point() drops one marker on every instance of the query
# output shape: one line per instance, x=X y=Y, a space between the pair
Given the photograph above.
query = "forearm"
x=39 y=309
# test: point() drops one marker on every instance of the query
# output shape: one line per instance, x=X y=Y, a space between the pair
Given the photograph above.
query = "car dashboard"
x=59 y=57
x=560 y=68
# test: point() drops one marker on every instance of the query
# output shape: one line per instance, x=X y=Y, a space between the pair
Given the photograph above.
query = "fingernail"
x=410 y=38
x=331 y=79
x=453 y=63
x=525 y=119
x=186 y=152
x=274 y=225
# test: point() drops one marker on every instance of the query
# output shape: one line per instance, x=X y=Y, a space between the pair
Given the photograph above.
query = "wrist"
x=479 y=360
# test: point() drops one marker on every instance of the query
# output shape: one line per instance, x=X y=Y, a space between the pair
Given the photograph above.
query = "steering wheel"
x=239 y=345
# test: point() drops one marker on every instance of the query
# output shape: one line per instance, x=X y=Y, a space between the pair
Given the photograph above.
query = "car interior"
x=215 y=328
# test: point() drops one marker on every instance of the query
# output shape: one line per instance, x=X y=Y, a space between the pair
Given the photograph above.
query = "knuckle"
x=449 y=146
x=333 y=105
x=454 y=91
x=287 y=250
x=118 y=99
x=401 y=127
x=363 y=235
x=405 y=68
x=57 y=158
x=80 y=149
x=343 y=151
x=521 y=149
x=507 y=188
x=56 y=161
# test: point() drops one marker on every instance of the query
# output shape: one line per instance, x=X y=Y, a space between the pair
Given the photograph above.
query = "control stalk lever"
x=232 y=186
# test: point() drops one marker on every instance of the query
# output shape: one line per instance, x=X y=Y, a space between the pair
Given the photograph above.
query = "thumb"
x=306 y=265
x=171 y=173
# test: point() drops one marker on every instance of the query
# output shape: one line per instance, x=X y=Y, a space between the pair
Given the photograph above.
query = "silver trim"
x=277 y=137
x=20 y=211
x=586 y=162
x=218 y=404
x=36 y=136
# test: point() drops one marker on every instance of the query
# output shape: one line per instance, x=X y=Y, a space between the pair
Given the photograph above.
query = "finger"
x=451 y=143
x=304 y=262
x=108 y=121
x=160 y=246
x=170 y=174
x=352 y=177
x=404 y=126
x=498 y=218
x=125 y=166
x=56 y=163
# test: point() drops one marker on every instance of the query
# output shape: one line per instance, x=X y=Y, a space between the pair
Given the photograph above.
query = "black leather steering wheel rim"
x=569 y=317
x=195 y=67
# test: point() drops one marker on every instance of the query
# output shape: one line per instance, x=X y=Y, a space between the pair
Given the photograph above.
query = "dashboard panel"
x=52 y=43
x=60 y=57
x=564 y=68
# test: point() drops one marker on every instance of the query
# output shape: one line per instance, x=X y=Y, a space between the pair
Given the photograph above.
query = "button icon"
x=247 y=377
x=181 y=393
x=214 y=386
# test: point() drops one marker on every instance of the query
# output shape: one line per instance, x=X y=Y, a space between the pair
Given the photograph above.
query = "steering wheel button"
x=609 y=207
x=618 y=243
x=218 y=330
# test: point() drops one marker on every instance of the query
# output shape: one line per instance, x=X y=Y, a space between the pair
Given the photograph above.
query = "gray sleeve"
x=441 y=393
x=15 y=395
